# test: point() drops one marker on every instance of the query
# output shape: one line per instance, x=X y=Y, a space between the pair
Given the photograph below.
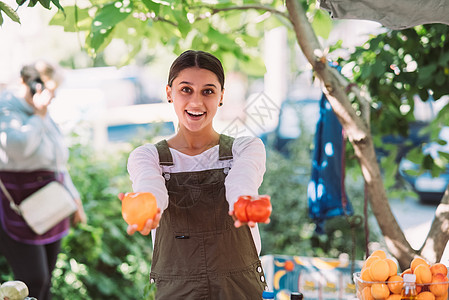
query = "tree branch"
x=270 y=9
x=437 y=238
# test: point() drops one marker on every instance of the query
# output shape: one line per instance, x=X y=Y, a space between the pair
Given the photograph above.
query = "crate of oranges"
x=379 y=279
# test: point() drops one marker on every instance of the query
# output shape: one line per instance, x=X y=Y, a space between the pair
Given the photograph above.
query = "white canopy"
x=394 y=14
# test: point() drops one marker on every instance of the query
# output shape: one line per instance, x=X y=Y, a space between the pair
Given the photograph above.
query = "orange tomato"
x=137 y=208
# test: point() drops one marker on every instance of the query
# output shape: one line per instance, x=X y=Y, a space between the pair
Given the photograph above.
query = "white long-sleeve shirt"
x=244 y=178
x=29 y=142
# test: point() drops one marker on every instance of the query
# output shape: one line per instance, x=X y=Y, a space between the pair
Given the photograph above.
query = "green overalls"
x=198 y=253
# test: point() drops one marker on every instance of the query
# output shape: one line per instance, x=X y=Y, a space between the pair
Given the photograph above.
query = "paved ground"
x=415 y=219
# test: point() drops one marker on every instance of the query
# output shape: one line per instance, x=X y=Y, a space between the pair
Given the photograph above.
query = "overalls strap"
x=225 y=151
x=165 y=158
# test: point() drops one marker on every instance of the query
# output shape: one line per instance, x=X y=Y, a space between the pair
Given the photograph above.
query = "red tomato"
x=240 y=208
x=259 y=209
x=256 y=209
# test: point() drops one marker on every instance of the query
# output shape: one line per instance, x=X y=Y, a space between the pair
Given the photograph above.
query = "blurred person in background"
x=32 y=154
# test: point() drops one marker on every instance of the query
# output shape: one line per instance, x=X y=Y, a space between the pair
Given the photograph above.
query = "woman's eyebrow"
x=189 y=83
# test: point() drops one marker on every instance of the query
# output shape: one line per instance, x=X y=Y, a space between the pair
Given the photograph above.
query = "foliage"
x=14 y=16
x=100 y=259
x=232 y=30
x=9 y=11
x=396 y=68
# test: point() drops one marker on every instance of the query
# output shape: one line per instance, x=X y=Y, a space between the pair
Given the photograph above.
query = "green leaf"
x=254 y=67
x=444 y=155
x=58 y=5
x=415 y=156
x=9 y=12
x=32 y=3
x=1 y=18
x=45 y=3
x=322 y=23
x=425 y=73
x=152 y=6
x=102 y=25
x=74 y=19
x=221 y=39
x=183 y=23
x=110 y=15
x=423 y=94
x=444 y=59
x=20 y=2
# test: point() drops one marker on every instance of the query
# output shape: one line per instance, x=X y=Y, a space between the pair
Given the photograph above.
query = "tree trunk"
x=437 y=238
x=360 y=137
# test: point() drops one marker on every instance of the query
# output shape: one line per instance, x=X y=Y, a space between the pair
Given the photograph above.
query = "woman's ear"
x=169 y=94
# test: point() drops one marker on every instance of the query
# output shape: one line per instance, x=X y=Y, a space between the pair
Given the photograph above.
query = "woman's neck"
x=193 y=143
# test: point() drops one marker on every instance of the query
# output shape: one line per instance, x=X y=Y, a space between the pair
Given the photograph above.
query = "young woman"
x=196 y=177
x=32 y=154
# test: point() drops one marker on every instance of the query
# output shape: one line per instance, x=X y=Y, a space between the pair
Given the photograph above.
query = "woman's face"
x=196 y=94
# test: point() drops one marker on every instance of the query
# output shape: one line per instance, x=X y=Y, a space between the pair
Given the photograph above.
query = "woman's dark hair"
x=200 y=59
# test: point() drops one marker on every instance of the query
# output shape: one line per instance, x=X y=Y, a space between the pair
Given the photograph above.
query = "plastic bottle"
x=266 y=295
x=409 y=288
x=296 y=296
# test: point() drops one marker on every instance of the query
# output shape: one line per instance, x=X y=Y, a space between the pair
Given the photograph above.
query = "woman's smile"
x=195 y=115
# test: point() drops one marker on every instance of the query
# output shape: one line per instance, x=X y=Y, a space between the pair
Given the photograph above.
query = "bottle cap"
x=296 y=296
x=267 y=294
x=409 y=277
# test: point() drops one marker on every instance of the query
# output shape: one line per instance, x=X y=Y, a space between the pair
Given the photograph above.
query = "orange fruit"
x=438 y=268
x=365 y=276
x=395 y=284
x=439 y=285
x=425 y=296
x=379 y=270
x=380 y=291
x=379 y=253
x=406 y=271
x=393 y=266
x=420 y=287
x=442 y=297
x=137 y=208
x=370 y=260
x=423 y=274
x=415 y=262
x=366 y=294
x=394 y=297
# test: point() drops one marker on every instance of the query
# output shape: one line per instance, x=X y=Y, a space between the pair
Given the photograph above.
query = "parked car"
x=430 y=189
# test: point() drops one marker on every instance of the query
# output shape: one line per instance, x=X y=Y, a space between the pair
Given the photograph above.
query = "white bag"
x=44 y=208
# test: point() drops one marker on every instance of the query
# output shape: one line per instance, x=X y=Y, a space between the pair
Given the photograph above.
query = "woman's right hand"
x=149 y=225
x=41 y=100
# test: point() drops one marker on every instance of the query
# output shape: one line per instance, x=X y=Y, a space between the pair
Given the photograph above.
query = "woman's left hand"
x=238 y=223
x=79 y=217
